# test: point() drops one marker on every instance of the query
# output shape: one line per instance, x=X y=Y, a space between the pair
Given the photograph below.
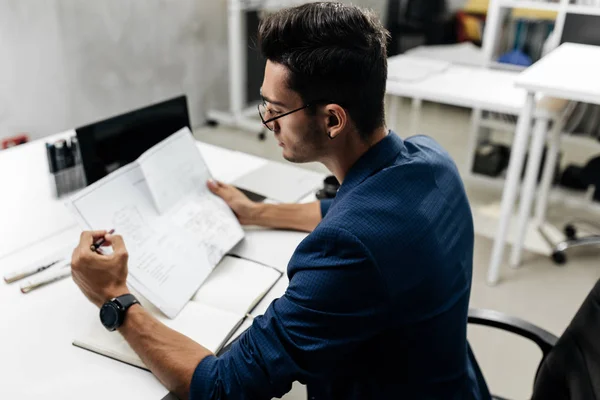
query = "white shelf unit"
x=531 y=5
x=499 y=9
x=240 y=114
x=557 y=195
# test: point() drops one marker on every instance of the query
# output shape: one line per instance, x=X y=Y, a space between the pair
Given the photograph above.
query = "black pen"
x=100 y=242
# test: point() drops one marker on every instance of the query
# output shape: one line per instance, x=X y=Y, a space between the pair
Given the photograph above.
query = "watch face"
x=109 y=316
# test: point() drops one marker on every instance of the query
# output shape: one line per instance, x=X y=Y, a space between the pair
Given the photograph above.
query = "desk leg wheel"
x=559 y=258
x=262 y=136
x=212 y=123
x=571 y=232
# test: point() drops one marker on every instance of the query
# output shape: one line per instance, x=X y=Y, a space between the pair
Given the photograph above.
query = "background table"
x=570 y=72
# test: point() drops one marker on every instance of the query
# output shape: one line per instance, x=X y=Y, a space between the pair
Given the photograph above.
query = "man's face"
x=302 y=136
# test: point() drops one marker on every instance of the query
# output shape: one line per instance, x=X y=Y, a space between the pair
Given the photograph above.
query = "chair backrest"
x=571 y=371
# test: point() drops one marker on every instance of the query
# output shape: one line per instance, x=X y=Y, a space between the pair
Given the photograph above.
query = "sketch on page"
x=209 y=223
x=176 y=176
x=167 y=266
x=129 y=223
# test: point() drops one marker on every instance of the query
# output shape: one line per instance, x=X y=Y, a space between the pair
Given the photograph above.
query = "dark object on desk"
x=491 y=159
x=570 y=366
x=259 y=198
x=330 y=188
x=108 y=145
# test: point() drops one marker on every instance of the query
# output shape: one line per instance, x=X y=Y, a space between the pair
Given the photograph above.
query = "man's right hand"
x=245 y=209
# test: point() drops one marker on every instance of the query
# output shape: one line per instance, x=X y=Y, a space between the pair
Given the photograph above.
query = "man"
x=377 y=302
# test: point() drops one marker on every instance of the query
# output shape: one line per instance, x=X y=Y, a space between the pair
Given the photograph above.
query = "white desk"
x=464 y=86
x=37 y=360
x=569 y=72
x=457 y=85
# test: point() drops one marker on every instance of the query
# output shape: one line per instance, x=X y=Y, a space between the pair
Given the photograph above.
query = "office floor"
x=539 y=292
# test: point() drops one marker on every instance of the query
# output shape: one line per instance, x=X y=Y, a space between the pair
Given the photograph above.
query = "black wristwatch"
x=112 y=313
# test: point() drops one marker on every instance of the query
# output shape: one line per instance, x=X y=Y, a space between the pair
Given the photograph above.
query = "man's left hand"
x=100 y=277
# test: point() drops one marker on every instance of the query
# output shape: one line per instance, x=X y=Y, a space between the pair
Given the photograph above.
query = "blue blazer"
x=378 y=296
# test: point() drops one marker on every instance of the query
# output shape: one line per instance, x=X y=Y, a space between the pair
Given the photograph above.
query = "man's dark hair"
x=335 y=53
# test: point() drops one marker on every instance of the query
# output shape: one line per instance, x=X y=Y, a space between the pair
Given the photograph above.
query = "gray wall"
x=66 y=63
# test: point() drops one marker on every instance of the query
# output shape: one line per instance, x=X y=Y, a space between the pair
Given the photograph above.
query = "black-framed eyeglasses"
x=262 y=110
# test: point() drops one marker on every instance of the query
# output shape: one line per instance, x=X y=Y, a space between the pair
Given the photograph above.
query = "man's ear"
x=337 y=120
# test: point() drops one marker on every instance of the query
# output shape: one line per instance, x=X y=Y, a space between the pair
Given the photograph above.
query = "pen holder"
x=67 y=180
x=64 y=163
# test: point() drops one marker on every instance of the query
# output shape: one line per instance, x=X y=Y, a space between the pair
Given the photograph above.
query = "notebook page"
x=206 y=325
x=276 y=291
x=272 y=247
x=204 y=220
x=165 y=264
x=236 y=285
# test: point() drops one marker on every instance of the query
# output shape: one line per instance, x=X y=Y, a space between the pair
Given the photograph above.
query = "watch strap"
x=125 y=301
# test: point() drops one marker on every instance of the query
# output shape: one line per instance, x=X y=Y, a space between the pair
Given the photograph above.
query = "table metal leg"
x=392 y=117
x=415 y=116
x=550 y=167
x=511 y=186
x=529 y=187
x=474 y=129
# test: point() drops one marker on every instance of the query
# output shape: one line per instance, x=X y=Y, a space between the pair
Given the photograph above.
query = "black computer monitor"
x=109 y=144
x=583 y=29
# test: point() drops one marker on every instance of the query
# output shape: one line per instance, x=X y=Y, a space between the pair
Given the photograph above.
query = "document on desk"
x=174 y=229
x=213 y=315
x=281 y=182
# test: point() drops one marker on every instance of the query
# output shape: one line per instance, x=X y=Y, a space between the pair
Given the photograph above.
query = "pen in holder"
x=64 y=164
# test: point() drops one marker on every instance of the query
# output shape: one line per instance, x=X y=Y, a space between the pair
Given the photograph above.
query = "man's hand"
x=100 y=277
x=245 y=209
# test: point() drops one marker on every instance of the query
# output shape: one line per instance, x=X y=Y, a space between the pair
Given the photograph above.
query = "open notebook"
x=230 y=292
x=175 y=230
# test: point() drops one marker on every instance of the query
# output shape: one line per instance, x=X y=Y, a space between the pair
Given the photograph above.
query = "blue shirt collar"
x=374 y=160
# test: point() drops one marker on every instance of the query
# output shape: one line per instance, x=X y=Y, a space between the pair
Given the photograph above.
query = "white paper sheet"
x=170 y=255
x=174 y=170
x=281 y=182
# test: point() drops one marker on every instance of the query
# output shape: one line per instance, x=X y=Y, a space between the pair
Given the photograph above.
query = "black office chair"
x=422 y=19
x=570 y=366
x=580 y=178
